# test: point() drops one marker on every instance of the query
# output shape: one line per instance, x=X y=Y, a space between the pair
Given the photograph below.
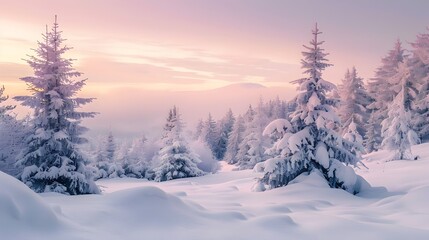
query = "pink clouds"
x=199 y=45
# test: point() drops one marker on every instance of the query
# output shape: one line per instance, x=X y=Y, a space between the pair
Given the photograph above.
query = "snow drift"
x=222 y=206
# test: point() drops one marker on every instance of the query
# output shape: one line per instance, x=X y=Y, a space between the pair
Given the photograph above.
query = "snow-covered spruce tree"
x=107 y=162
x=419 y=64
x=175 y=160
x=381 y=91
x=243 y=147
x=110 y=148
x=352 y=135
x=224 y=129
x=396 y=128
x=4 y=109
x=52 y=160
x=209 y=133
x=199 y=130
x=12 y=132
x=279 y=132
x=277 y=109
x=234 y=139
x=252 y=148
x=313 y=146
x=353 y=102
x=134 y=162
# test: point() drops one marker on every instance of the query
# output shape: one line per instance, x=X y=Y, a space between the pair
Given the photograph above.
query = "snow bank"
x=222 y=206
x=150 y=206
x=23 y=212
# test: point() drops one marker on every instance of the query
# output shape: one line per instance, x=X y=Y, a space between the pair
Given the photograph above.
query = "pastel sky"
x=143 y=50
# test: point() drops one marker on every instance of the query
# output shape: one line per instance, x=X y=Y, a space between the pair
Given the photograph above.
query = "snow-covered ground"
x=222 y=206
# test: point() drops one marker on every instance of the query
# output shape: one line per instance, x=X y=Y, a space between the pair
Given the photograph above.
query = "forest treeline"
x=325 y=128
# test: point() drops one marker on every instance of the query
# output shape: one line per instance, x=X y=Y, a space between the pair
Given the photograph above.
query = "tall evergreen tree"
x=52 y=160
x=381 y=91
x=235 y=137
x=352 y=135
x=354 y=100
x=243 y=147
x=252 y=148
x=199 y=129
x=134 y=162
x=224 y=129
x=175 y=160
x=396 y=128
x=278 y=109
x=107 y=162
x=313 y=144
x=209 y=134
x=13 y=133
x=419 y=66
x=4 y=109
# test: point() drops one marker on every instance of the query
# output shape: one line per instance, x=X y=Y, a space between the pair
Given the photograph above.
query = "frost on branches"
x=134 y=162
x=354 y=101
x=12 y=132
x=352 y=135
x=419 y=64
x=381 y=91
x=252 y=148
x=235 y=137
x=175 y=160
x=396 y=128
x=313 y=145
x=4 y=109
x=106 y=162
x=52 y=161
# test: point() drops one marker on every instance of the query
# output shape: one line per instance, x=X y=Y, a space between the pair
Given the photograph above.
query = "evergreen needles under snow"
x=396 y=128
x=381 y=91
x=52 y=160
x=313 y=144
x=354 y=101
x=175 y=160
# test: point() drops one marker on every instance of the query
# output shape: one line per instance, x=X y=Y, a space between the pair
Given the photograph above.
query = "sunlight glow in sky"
x=193 y=45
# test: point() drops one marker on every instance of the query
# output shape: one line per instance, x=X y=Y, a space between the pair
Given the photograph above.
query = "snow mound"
x=391 y=205
x=22 y=210
x=156 y=205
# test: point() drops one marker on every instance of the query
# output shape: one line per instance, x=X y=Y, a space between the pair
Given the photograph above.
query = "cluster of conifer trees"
x=324 y=129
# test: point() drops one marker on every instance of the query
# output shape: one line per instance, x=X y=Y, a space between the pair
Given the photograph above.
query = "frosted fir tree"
x=175 y=160
x=110 y=148
x=279 y=132
x=225 y=127
x=234 y=139
x=252 y=148
x=352 y=135
x=313 y=146
x=277 y=109
x=199 y=129
x=381 y=91
x=52 y=161
x=4 y=108
x=13 y=133
x=243 y=147
x=107 y=162
x=396 y=128
x=134 y=163
x=354 y=100
x=419 y=66
x=209 y=134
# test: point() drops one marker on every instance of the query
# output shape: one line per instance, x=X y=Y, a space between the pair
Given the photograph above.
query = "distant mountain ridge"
x=247 y=85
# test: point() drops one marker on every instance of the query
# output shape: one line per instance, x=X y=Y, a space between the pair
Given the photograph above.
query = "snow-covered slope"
x=221 y=206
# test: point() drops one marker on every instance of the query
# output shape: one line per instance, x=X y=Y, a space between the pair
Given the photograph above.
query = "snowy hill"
x=221 y=206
